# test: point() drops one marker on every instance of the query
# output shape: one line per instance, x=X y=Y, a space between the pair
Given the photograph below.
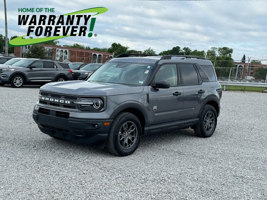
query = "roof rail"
x=167 y=57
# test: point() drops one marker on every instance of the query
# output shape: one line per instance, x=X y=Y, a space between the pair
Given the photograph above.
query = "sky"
x=161 y=25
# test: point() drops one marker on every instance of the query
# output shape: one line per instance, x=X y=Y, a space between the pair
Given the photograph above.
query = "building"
x=67 y=54
x=246 y=71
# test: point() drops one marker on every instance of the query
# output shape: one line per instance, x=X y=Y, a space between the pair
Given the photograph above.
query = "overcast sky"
x=161 y=25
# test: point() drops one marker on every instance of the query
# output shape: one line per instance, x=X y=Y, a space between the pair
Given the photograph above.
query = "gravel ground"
x=230 y=165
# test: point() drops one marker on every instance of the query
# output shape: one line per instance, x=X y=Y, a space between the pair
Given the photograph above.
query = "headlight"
x=7 y=69
x=90 y=104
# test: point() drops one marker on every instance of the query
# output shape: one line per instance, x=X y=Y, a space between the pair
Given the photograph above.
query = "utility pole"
x=6 y=37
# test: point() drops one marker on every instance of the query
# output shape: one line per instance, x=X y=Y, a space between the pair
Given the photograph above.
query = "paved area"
x=230 y=165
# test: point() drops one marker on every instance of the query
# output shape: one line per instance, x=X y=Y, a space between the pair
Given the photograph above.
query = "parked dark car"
x=32 y=70
x=85 y=71
x=76 y=65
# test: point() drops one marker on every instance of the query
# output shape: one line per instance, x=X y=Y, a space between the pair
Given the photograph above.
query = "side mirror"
x=31 y=67
x=161 y=84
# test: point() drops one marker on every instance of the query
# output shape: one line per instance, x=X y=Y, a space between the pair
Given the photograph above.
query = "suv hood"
x=84 y=88
x=3 y=66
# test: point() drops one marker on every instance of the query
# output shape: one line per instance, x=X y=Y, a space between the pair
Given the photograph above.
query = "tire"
x=17 y=81
x=61 y=78
x=207 y=122
x=124 y=135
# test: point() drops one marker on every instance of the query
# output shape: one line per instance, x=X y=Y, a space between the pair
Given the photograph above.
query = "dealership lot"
x=230 y=165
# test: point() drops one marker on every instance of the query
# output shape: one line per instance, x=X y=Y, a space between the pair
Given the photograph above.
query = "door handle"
x=201 y=91
x=176 y=93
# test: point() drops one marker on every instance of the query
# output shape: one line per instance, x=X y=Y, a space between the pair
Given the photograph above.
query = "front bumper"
x=88 y=131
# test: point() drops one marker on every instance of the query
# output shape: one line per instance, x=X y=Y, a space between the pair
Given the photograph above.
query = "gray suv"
x=128 y=97
x=29 y=70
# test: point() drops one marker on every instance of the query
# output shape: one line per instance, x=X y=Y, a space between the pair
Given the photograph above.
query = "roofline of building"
x=76 y=49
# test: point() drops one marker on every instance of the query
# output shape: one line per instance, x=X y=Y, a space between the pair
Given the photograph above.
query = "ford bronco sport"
x=131 y=96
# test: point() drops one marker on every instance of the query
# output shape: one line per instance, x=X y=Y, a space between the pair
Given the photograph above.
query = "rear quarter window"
x=64 y=65
x=208 y=73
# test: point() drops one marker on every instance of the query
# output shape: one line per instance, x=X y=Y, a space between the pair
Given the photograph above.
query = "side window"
x=167 y=72
x=49 y=64
x=37 y=64
x=209 y=71
x=188 y=74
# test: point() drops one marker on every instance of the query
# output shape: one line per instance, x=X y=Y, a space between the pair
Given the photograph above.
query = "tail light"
x=70 y=71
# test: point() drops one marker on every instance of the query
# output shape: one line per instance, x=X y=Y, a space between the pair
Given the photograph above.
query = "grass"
x=244 y=88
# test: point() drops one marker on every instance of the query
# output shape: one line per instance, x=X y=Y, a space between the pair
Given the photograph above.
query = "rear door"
x=192 y=89
x=50 y=70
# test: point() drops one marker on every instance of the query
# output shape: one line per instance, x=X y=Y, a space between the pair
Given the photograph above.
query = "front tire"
x=207 y=122
x=124 y=135
x=17 y=81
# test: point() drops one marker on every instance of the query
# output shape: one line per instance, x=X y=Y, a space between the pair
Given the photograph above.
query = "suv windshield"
x=122 y=73
x=24 y=63
x=12 y=61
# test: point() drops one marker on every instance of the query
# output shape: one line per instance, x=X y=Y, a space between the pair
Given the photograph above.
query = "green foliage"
x=256 y=62
x=76 y=46
x=149 y=52
x=52 y=42
x=225 y=52
x=99 y=49
x=36 y=51
x=261 y=73
x=2 y=42
x=117 y=49
x=174 y=51
x=243 y=60
x=222 y=72
x=11 y=49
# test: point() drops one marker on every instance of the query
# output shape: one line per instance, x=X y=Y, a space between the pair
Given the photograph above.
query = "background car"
x=85 y=71
x=4 y=59
x=12 y=61
x=32 y=70
x=76 y=65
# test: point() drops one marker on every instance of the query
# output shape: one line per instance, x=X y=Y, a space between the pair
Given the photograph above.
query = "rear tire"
x=207 y=122
x=124 y=135
x=61 y=78
x=17 y=81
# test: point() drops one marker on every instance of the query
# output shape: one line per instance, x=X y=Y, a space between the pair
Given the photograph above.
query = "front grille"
x=62 y=114
x=57 y=100
x=44 y=111
x=54 y=113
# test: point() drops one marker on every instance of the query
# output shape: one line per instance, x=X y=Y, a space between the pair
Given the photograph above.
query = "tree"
x=256 y=62
x=99 y=49
x=149 y=52
x=225 y=52
x=198 y=53
x=2 y=42
x=117 y=49
x=76 y=46
x=11 y=49
x=243 y=60
x=36 y=51
x=212 y=53
x=261 y=73
x=174 y=51
x=187 y=51
x=52 y=42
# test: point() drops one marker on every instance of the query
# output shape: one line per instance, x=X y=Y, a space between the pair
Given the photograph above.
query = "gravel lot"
x=230 y=165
